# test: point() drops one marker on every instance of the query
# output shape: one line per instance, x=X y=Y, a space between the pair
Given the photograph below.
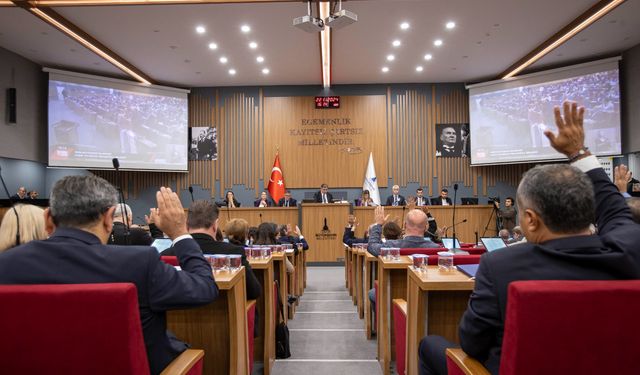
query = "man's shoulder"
x=215 y=247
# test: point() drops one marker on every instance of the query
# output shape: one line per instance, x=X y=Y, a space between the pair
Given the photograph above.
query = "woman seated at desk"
x=365 y=199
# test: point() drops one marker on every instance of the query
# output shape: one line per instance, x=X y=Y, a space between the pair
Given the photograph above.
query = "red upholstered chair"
x=457 y=259
x=170 y=259
x=251 y=321
x=566 y=327
x=77 y=329
x=425 y=251
x=475 y=250
x=400 y=325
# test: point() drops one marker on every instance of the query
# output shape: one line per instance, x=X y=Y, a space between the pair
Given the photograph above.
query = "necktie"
x=395 y=200
x=324 y=198
x=286 y=203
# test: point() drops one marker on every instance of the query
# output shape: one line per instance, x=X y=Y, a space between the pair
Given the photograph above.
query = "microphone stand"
x=13 y=207
x=455 y=194
x=123 y=205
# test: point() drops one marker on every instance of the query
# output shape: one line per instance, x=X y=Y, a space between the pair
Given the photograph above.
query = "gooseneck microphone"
x=123 y=205
x=191 y=192
x=14 y=208
x=455 y=195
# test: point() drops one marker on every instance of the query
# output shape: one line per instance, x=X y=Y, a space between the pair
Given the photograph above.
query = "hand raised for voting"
x=621 y=177
x=378 y=215
x=169 y=216
x=570 y=138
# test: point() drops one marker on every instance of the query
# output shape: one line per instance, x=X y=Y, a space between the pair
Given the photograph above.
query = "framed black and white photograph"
x=452 y=140
x=203 y=143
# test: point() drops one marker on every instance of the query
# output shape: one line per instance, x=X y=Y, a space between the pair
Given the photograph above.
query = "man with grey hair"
x=395 y=199
x=558 y=203
x=415 y=224
x=124 y=232
x=81 y=219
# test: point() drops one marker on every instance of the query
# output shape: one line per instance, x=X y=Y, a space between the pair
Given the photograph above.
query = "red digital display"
x=323 y=102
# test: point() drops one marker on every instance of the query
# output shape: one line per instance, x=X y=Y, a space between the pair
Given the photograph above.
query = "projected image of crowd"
x=101 y=123
x=502 y=132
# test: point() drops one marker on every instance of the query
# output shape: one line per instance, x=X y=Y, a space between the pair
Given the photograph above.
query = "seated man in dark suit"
x=443 y=199
x=395 y=199
x=323 y=196
x=81 y=216
x=287 y=201
x=203 y=225
x=287 y=234
x=20 y=194
x=349 y=237
x=558 y=203
x=136 y=236
x=415 y=224
x=263 y=201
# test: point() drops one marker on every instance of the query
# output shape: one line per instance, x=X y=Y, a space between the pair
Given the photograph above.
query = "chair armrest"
x=466 y=364
x=250 y=304
x=184 y=362
x=402 y=305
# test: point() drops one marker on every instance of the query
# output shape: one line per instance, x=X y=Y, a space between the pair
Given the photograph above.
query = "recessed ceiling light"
x=223 y=60
x=390 y=57
x=265 y=71
x=437 y=42
x=419 y=68
x=428 y=56
x=259 y=59
x=404 y=25
x=213 y=46
x=245 y=28
x=253 y=45
x=450 y=25
x=385 y=69
x=396 y=43
x=232 y=72
x=200 y=29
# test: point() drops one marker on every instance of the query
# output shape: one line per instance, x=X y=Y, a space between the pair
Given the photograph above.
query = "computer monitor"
x=162 y=244
x=448 y=243
x=493 y=243
x=469 y=201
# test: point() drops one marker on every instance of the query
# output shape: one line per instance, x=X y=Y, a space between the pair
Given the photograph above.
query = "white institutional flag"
x=371 y=181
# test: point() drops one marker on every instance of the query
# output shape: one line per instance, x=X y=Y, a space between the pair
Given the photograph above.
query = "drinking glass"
x=235 y=261
x=445 y=261
x=420 y=262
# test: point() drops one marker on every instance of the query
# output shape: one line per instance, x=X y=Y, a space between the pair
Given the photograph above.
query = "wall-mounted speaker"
x=12 y=108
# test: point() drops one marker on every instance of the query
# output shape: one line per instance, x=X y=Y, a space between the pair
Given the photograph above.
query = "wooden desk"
x=477 y=218
x=323 y=227
x=392 y=283
x=265 y=344
x=280 y=274
x=219 y=328
x=370 y=275
x=435 y=303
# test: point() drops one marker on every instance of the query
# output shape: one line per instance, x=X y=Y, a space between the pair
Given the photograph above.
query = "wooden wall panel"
x=339 y=165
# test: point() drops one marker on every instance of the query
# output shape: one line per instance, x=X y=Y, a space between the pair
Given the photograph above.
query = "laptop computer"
x=493 y=243
x=448 y=243
x=469 y=201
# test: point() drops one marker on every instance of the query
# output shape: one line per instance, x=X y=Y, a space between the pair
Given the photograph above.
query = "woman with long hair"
x=31 y=222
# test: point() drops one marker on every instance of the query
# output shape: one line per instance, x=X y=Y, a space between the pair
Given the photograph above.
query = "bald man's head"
x=415 y=223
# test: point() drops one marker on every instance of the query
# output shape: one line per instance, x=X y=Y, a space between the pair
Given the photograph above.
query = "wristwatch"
x=578 y=154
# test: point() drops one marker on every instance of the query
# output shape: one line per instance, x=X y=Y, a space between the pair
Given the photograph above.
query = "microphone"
x=191 y=192
x=14 y=209
x=455 y=187
x=455 y=196
x=123 y=205
x=260 y=217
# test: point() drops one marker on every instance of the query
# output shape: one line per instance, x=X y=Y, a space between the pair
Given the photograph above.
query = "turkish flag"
x=276 y=182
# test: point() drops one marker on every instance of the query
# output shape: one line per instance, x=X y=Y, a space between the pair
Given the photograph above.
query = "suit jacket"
x=349 y=237
x=438 y=201
x=270 y=203
x=209 y=245
x=425 y=201
x=294 y=240
x=292 y=202
x=137 y=236
x=318 y=197
x=73 y=256
x=401 y=201
x=375 y=241
x=612 y=254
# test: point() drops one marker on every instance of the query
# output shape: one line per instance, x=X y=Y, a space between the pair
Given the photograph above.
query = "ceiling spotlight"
x=245 y=28
x=265 y=71
x=385 y=69
x=437 y=42
x=428 y=56
x=341 y=18
x=419 y=68
x=309 y=23
x=201 y=29
x=404 y=25
x=232 y=72
x=396 y=43
x=213 y=46
x=390 y=57
x=450 y=25
x=223 y=60
x=253 y=45
x=259 y=59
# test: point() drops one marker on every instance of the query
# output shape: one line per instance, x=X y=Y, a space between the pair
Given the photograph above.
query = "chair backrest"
x=571 y=327
x=421 y=250
x=457 y=259
x=170 y=259
x=71 y=329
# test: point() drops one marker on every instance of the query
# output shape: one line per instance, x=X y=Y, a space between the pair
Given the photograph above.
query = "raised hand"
x=621 y=177
x=570 y=138
x=170 y=216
